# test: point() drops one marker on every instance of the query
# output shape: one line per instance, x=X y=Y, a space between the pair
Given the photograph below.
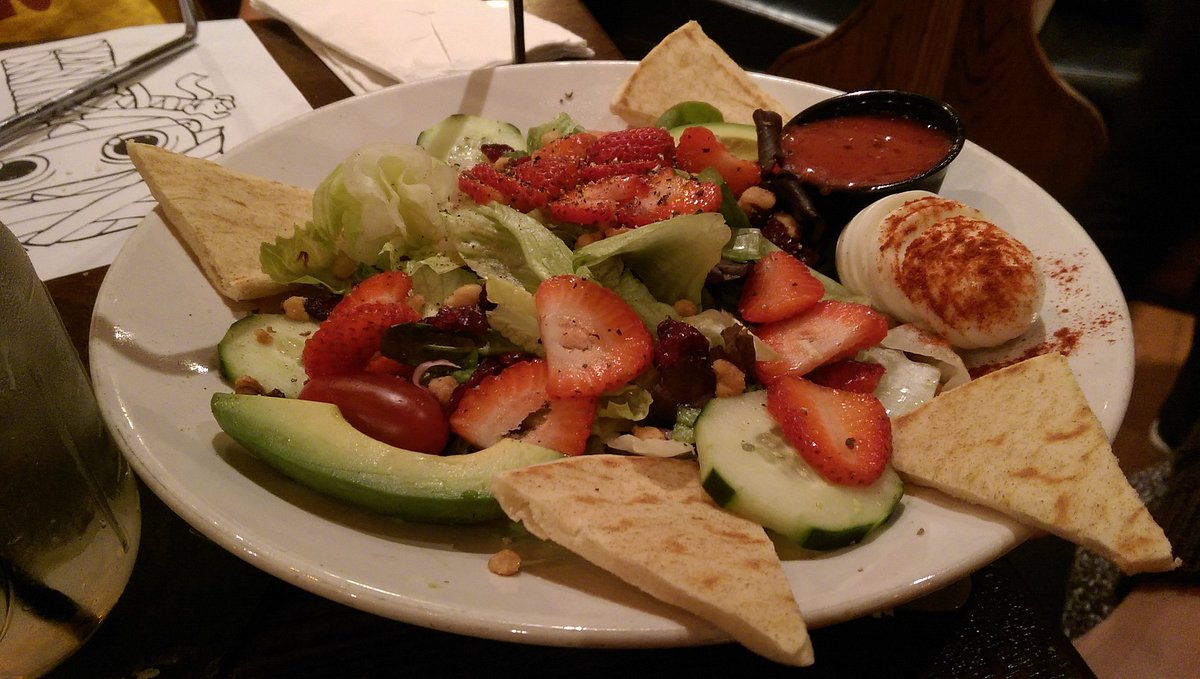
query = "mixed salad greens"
x=399 y=230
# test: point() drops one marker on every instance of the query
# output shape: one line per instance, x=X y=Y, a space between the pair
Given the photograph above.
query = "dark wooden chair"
x=980 y=56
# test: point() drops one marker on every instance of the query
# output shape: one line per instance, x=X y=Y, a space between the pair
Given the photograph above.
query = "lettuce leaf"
x=747 y=245
x=307 y=256
x=613 y=275
x=689 y=113
x=515 y=315
x=712 y=323
x=836 y=291
x=561 y=125
x=630 y=402
x=497 y=241
x=382 y=203
x=434 y=278
x=906 y=384
x=386 y=194
x=671 y=257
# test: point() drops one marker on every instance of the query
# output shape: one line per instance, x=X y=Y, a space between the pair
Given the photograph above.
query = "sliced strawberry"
x=564 y=426
x=573 y=147
x=848 y=375
x=555 y=167
x=382 y=365
x=828 y=331
x=346 y=343
x=388 y=287
x=594 y=340
x=846 y=437
x=518 y=194
x=499 y=403
x=778 y=287
x=634 y=144
x=594 y=171
x=669 y=195
x=597 y=202
x=699 y=149
x=514 y=404
x=548 y=176
x=479 y=192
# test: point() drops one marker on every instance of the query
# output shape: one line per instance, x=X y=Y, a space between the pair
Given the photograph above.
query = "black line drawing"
x=74 y=181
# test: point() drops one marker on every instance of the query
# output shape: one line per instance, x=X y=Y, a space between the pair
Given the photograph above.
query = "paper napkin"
x=373 y=43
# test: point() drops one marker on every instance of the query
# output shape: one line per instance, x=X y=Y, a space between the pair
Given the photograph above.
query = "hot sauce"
x=862 y=150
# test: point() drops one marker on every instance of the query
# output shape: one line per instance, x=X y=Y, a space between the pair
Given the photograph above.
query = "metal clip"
x=518 y=31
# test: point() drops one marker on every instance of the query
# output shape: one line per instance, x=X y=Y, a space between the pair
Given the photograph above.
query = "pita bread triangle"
x=1023 y=440
x=687 y=65
x=222 y=216
x=649 y=522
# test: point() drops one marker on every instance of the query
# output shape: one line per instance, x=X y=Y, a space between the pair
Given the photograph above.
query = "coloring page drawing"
x=75 y=180
x=68 y=190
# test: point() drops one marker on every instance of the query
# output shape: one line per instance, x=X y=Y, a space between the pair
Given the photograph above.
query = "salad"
x=649 y=291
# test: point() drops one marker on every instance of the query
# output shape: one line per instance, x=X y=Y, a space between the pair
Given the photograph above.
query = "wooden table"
x=194 y=610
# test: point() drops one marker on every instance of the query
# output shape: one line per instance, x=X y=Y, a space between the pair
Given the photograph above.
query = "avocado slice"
x=740 y=139
x=313 y=444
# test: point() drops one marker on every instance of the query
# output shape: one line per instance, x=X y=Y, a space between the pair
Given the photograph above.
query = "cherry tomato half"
x=385 y=407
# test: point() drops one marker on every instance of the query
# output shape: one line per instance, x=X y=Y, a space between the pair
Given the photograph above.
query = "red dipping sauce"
x=862 y=150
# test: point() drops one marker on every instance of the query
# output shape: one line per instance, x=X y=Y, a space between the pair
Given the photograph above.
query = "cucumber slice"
x=751 y=470
x=266 y=347
x=741 y=140
x=457 y=139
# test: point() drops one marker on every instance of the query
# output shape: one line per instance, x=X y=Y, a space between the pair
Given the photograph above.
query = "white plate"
x=157 y=322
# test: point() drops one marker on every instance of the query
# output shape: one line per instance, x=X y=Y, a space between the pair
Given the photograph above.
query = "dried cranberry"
x=809 y=256
x=776 y=231
x=460 y=318
x=684 y=374
x=320 y=303
x=785 y=239
x=679 y=342
x=493 y=152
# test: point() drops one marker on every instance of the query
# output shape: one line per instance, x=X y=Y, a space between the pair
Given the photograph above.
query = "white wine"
x=69 y=512
x=52 y=611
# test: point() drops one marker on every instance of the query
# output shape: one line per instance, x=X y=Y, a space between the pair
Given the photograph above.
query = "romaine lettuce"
x=613 y=275
x=671 y=257
x=515 y=315
x=497 y=241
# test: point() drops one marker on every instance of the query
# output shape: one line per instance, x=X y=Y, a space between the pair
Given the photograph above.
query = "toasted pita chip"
x=649 y=522
x=1022 y=440
x=688 y=66
x=223 y=216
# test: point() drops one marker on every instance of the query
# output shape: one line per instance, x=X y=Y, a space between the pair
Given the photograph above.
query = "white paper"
x=374 y=43
x=67 y=190
x=358 y=77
